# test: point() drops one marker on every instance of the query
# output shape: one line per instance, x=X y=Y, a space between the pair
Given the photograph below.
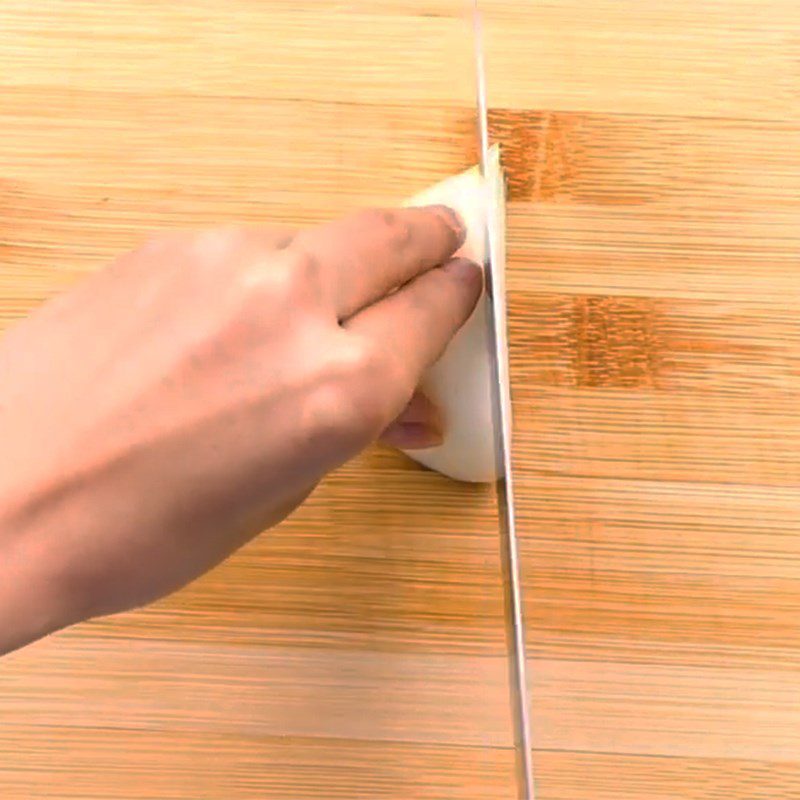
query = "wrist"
x=31 y=603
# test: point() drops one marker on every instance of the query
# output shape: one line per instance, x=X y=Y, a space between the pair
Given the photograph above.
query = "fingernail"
x=411 y=436
x=464 y=270
x=453 y=221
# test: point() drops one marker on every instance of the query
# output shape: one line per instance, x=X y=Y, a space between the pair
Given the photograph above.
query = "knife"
x=501 y=416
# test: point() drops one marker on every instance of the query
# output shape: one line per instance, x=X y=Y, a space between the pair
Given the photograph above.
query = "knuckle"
x=285 y=240
x=356 y=396
x=303 y=265
x=361 y=360
x=261 y=300
x=372 y=365
x=392 y=223
x=333 y=413
x=285 y=279
x=378 y=217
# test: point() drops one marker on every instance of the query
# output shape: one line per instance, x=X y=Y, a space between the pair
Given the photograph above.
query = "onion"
x=460 y=383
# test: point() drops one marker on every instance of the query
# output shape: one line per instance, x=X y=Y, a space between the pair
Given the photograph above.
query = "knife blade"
x=501 y=408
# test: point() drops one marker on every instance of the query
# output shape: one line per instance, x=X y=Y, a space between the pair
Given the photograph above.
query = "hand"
x=170 y=407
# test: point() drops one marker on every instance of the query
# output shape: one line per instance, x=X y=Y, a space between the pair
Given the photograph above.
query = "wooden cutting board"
x=653 y=152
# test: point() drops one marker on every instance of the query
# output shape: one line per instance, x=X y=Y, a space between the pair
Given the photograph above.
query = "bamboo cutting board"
x=653 y=153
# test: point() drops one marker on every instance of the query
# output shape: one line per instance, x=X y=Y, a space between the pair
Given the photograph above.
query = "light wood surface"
x=653 y=152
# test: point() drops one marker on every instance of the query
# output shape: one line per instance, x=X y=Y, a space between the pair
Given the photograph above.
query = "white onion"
x=459 y=384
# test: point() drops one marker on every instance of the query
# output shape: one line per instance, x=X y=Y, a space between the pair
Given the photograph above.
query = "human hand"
x=170 y=407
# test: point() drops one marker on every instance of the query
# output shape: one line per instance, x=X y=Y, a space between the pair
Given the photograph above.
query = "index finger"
x=415 y=325
x=366 y=255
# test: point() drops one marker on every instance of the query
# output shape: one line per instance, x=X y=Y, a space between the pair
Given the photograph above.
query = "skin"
x=172 y=406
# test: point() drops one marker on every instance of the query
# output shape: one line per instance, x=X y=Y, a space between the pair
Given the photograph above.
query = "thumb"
x=419 y=426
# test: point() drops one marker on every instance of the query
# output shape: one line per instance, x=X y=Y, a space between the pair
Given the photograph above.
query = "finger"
x=366 y=255
x=419 y=426
x=415 y=324
x=411 y=436
x=270 y=237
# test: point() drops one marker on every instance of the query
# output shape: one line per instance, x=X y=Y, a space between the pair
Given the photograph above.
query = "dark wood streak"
x=616 y=342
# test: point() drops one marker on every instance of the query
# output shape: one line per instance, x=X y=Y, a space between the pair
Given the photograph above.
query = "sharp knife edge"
x=502 y=421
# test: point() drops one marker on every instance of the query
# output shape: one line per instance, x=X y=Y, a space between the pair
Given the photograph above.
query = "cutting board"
x=357 y=651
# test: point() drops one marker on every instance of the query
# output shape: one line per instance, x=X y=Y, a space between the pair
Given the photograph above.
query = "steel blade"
x=501 y=402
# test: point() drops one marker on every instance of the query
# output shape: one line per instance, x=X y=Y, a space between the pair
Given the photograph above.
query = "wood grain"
x=653 y=155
